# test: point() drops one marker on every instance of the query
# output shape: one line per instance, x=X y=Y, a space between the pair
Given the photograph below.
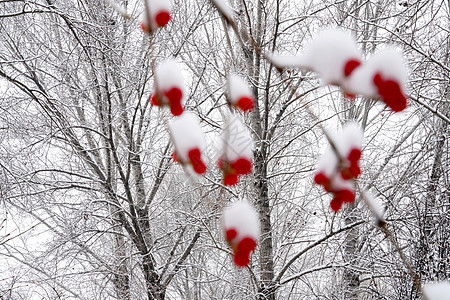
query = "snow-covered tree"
x=113 y=177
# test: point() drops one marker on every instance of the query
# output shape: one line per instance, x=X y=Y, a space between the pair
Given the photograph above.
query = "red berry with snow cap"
x=336 y=172
x=241 y=228
x=350 y=66
x=382 y=76
x=240 y=94
x=196 y=161
x=333 y=55
x=188 y=141
x=158 y=13
x=169 y=87
x=237 y=156
x=242 y=255
x=246 y=104
x=390 y=93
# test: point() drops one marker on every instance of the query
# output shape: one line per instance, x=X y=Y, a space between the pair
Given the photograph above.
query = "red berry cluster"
x=195 y=160
x=242 y=248
x=159 y=15
x=390 y=92
x=171 y=98
x=232 y=171
x=337 y=172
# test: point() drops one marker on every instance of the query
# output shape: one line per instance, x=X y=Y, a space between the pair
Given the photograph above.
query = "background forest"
x=93 y=207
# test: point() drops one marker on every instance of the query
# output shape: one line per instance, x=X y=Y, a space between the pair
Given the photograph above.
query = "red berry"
x=242 y=166
x=336 y=204
x=355 y=170
x=321 y=179
x=176 y=109
x=245 y=104
x=175 y=157
x=244 y=248
x=230 y=234
x=230 y=179
x=390 y=92
x=350 y=66
x=162 y=18
x=354 y=155
x=174 y=95
x=154 y=100
x=345 y=196
x=346 y=174
x=196 y=161
x=377 y=79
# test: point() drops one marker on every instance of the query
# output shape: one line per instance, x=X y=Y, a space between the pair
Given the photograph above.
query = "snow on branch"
x=335 y=57
x=375 y=206
x=118 y=8
x=224 y=9
x=332 y=54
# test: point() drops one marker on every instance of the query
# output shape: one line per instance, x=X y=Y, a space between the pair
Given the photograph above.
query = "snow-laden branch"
x=312 y=270
x=277 y=279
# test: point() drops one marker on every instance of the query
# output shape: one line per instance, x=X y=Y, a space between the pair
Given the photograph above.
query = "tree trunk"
x=351 y=276
x=121 y=277
x=266 y=290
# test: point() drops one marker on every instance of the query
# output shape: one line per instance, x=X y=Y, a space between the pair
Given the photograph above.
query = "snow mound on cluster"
x=239 y=93
x=241 y=227
x=437 y=290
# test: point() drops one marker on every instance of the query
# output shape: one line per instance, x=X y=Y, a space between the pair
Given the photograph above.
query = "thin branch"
x=316 y=243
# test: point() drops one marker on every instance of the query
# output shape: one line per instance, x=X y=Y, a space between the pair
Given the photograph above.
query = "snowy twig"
x=319 y=268
x=433 y=110
x=309 y=247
